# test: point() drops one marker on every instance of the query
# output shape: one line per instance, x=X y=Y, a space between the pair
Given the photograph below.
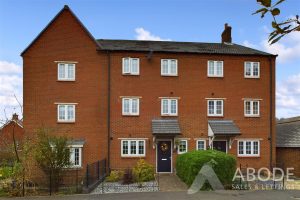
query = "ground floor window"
x=132 y=148
x=76 y=156
x=182 y=146
x=201 y=144
x=248 y=147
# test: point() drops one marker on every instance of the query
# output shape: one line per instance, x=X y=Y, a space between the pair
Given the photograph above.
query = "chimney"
x=15 y=117
x=226 y=35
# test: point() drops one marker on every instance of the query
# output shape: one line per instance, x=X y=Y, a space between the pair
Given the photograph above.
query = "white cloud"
x=10 y=86
x=288 y=97
x=249 y=44
x=142 y=34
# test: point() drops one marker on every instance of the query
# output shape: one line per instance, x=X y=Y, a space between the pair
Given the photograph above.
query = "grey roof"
x=224 y=127
x=288 y=132
x=165 y=127
x=182 y=47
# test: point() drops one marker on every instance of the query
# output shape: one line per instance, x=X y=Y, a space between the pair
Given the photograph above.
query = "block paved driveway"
x=224 y=195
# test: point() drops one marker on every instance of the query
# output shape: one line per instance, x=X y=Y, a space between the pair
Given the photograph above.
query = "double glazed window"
x=251 y=108
x=66 y=113
x=215 y=107
x=248 y=148
x=169 y=67
x=76 y=156
x=130 y=106
x=201 y=145
x=131 y=66
x=169 y=107
x=252 y=70
x=66 y=72
x=133 y=148
x=182 y=146
x=215 y=69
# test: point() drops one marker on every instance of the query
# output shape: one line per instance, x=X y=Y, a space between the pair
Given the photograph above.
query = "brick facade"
x=65 y=39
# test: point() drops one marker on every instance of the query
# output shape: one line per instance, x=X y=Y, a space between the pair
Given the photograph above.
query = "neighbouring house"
x=129 y=99
x=288 y=144
x=10 y=132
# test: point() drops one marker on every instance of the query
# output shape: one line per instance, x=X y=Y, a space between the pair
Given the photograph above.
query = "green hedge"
x=189 y=164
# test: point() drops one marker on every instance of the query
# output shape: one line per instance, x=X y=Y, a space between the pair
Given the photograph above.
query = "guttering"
x=108 y=110
x=271 y=113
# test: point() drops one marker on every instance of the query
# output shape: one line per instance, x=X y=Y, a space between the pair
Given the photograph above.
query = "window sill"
x=215 y=115
x=141 y=156
x=171 y=75
x=248 y=156
x=67 y=80
x=251 y=77
x=129 y=74
x=210 y=76
x=252 y=116
x=181 y=152
x=129 y=115
x=166 y=115
x=66 y=122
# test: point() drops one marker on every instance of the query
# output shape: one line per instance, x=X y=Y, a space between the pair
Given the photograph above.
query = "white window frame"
x=72 y=157
x=66 y=71
x=130 y=113
x=178 y=148
x=251 y=69
x=198 y=146
x=130 y=72
x=129 y=148
x=251 y=108
x=169 y=67
x=66 y=120
x=215 y=68
x=215 y=108
x=169 y=107
x=244 y=148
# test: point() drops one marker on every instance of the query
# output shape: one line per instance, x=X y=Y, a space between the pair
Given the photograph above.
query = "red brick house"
x=149 y=99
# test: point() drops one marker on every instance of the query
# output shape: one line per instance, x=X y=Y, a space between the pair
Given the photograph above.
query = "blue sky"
x=178 y=20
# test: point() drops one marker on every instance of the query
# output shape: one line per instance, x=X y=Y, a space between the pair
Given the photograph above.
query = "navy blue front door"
x=164 y=157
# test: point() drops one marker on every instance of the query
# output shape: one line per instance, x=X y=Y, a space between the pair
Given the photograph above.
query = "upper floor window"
x=248 y=148
x=169 y=67
x=66 y=72
x=252 y=70
x=215 y=68
x=131 y=66
x=130 y=106
x=76 y=156
x=201 y=144
x=133 y=148
x=251 y=107
x=169 y=107
x=215 y=107
x=66 y=113
x=182 y=146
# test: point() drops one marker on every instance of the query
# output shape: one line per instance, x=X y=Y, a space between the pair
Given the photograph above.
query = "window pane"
x=76 y=156
x=219 y=68
x=255 y=69
x=125 y=147
x=255 y=147
x=211 y=107
x=133 y=147
x=61 y=71
x=173 y=106
x=173 y=67
x=126 y=65
x=219 y=107
x=200 y=145
x=255 y=108
x=70 y=114
x=248 y=69
x=62 y=115
x=248 y=147
x=165 y=106
x=126 y=105
x=72 y=155
x=165 y=67
x=134 y=106
x=211 y=68
x=134 y=66
x=141 y=147
x=71 y=71
x=241 y=147
x=182 y=146
x=248 y=107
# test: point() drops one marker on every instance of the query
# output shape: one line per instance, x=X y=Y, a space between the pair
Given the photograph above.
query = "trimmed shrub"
x=143 y=171
x=115 y=176
x=189 y=164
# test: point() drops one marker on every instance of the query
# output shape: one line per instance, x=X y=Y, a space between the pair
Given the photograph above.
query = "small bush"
x=115 y=176
x=6 y=172
x=189 y=164
x=143 y=171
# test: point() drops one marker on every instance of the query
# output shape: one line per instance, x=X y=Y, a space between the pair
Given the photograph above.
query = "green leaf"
x=277 y=39
x=264 y=10
x=272 y=36
x=278 y=2
x=266 y=3
x=275 y=11
x=274 y=24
